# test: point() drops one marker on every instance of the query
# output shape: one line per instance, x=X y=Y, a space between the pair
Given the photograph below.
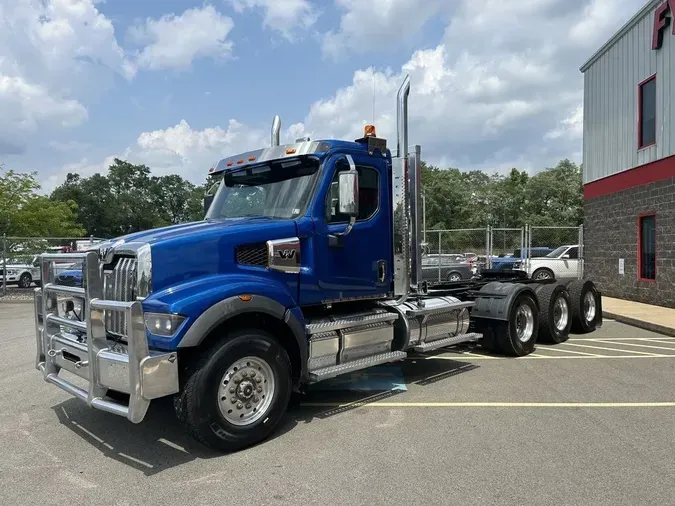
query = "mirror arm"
x=335 y=240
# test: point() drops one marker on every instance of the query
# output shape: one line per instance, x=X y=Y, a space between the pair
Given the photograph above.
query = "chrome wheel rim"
x=589 y=306
x=561 y=314
x=246 y=391
x=524 y=323
x=455 y=277
x=543 y=275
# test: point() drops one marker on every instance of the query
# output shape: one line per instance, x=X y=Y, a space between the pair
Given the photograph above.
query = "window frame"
x=379 y=191
x=641 y=85
x=639 y=247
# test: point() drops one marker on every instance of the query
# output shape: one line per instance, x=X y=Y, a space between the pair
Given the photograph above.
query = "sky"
x=179 y=84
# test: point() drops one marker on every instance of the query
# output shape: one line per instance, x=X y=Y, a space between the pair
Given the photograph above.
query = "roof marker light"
x=290 y=151
x=251 y=158
x=230 y=164
x=369 y=131
x=212 y=169
x=241 y=160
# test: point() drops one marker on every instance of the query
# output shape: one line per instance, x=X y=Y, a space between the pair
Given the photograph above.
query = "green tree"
x=23 y=213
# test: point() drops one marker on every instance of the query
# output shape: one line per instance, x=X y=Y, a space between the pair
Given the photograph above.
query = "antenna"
x=373 y=122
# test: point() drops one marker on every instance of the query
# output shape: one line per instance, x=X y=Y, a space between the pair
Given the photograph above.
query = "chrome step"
x=363 y=363
x=346 y=322
x=448 y=341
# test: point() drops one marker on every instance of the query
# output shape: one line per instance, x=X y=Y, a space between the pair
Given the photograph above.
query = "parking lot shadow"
x=160 y=442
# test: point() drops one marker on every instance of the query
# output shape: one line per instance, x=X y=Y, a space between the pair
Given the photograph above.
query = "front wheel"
x=543 y=274
x=238 y=391
x=454 y=277
x=25 y=280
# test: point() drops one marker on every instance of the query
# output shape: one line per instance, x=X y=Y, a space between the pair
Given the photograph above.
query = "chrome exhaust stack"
x=401 y=197
x=276 y=130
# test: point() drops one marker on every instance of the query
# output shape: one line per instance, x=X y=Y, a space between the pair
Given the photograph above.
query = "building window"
x=369 y=196
x=647 y=113
x=647 y=247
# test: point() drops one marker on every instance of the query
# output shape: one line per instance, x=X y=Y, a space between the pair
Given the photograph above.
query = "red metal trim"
x=639 y=250
x=639 y=106
x=624 y=180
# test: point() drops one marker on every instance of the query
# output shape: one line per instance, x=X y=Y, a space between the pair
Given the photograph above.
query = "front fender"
x=207 y=302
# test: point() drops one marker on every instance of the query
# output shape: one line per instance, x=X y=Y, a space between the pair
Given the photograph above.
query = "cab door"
x=357 y=264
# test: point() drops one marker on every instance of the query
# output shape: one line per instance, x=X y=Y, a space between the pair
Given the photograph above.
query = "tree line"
x=129 y=198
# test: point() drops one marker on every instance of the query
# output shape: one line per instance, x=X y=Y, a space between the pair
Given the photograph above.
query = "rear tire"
x=517 y=336
x=248 y=366
x=585 y=304
x=555 y=318
x=454 y=277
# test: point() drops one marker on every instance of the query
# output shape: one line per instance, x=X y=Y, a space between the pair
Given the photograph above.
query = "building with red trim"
x=629 y=159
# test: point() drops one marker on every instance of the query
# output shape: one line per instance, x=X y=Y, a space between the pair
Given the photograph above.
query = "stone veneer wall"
x=611 y=233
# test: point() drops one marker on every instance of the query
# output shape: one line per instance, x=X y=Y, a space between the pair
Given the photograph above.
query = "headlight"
x=12 y=272
x=517 y=265
x=162 y=324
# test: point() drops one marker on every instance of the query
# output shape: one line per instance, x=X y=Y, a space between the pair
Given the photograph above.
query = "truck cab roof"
x=319 y=148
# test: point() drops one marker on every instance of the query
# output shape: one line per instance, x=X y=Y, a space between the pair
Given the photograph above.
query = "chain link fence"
x=543 y=252
x=19 y=265
x=453 y=255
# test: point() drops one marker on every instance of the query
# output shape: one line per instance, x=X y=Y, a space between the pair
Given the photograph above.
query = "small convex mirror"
x=349 y=190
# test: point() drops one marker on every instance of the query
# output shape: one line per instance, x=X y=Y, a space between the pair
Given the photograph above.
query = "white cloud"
x=284 y=16
x=378 y=24
x=54 y=55
x=501 y=89
x=176 y=41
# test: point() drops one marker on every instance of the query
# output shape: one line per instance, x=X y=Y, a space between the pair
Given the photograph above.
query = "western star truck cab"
x=306 y=266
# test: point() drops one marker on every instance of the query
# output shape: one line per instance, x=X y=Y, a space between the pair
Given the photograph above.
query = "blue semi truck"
x=306 y=266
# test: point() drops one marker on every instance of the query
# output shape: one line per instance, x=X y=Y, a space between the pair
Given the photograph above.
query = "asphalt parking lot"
x=586 y=422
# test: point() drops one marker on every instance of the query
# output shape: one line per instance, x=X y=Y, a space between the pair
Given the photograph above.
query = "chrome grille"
x=119 y=284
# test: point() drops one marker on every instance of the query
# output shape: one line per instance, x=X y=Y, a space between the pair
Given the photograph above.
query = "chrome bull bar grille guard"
x=106 y=364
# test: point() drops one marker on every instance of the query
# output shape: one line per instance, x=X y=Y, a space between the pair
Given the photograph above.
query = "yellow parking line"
x=608 y=349
x=644 y=345
x=491 y=404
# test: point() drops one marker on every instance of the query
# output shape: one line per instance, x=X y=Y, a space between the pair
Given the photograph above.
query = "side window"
x=573 y=253
x=369 y=195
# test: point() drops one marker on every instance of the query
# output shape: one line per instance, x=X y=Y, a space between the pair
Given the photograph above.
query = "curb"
x=653 y=327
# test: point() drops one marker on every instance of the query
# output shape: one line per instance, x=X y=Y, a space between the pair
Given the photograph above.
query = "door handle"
x=381 y=270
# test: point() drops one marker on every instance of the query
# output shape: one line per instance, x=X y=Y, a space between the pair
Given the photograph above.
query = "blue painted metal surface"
x=194 y=264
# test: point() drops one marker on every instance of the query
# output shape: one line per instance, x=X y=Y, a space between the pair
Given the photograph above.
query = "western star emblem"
x=286 y=254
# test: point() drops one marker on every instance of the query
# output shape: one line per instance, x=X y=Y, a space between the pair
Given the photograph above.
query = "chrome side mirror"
x=349 y=191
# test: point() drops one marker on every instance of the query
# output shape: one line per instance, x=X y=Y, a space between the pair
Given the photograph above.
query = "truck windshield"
x=281 y=189
x=557 y=252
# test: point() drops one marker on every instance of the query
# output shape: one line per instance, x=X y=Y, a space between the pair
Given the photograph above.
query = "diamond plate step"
x=345 y=322
x=448 y=341
x=363 y=363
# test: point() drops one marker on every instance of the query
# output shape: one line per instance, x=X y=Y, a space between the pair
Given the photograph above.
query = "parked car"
x=21 y=271
x=73 y=276
x=446 y=267
x=561 y=263
x=515 y=260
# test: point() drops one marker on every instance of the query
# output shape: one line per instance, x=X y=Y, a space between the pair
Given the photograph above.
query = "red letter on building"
x=660 y=23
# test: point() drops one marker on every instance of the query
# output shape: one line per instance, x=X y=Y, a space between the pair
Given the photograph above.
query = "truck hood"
x=206 y=248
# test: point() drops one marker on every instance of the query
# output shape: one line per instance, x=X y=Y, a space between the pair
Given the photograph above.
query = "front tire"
x=543 y=274
x=454 y=277
x=25 y=280
x=237 y=392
